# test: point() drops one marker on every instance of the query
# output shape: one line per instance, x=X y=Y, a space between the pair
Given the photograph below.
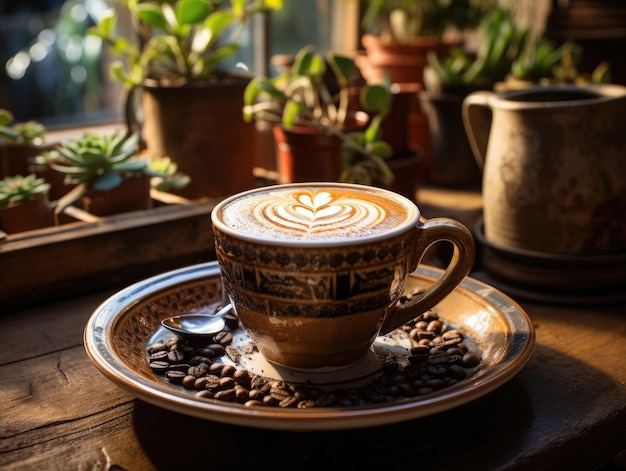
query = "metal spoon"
x=197 y=324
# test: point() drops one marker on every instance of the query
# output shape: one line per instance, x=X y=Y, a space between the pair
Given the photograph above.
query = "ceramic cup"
x=315 y=270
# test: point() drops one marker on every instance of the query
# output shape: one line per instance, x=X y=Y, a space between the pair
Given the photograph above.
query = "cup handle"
x=428 y=232
x=476 y=114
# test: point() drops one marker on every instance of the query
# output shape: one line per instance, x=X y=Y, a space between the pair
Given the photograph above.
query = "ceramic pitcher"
x=554 y=167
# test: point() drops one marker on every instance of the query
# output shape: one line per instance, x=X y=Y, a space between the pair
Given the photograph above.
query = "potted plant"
x=190 y=105
x=319 y=135
x=448 y=78
x=399 y=33
x=108 y=175
x=24 y=204
x=19 y=143
x=397 y=36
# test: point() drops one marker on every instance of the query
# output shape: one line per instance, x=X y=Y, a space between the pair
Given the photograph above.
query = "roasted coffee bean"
x=175 y=376
x=253 y=403
x=227 y=395
x=189 y=381
x=196 y=371
x=223 y=338
x=269 y=401
x=470 y=359
x=436 y=359
x=158 y=347
x=289 y=401
x=241 y=393
x=226 y=382
x=256 y=394
x=228 y=370
x=457 y=372
x=206 y=352
x=200 y=383
x=197 y=359
x=451 y=334
x=280 y=393
x=205 y=394
x=216 y=368
x=242 y=377
x=159 y=355
x=176 y=356
x=217 y=348
x=159 y=366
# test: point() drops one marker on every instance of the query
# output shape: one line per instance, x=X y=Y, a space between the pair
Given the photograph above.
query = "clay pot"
x=133 y=194
x=307 y=154
x=201 y=128
x=554 y=166
x=32 y=214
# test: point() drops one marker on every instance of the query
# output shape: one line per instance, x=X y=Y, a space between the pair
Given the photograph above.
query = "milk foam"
x=315 y=213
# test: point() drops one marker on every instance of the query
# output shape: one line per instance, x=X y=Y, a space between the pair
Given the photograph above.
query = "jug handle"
x=476 y=113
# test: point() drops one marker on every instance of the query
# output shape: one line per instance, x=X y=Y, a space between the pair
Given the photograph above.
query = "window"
x=53 y=72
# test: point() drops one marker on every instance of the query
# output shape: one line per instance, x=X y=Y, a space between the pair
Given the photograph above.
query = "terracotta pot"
x=27 y=215
x=306 y=154
x=133 y=194
x=405 y=64
x=16 y=158
x=554 y=167
x=200 y=126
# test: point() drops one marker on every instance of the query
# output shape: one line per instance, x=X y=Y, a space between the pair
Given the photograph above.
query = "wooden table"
x=565 y=410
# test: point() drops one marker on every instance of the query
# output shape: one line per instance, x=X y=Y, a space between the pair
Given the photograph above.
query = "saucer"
x=555 y=278
x=119 y=330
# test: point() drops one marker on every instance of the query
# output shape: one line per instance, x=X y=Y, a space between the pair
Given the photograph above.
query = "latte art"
x=315 y=213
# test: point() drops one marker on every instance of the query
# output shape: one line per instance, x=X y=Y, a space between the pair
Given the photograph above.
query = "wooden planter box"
x=94 y=253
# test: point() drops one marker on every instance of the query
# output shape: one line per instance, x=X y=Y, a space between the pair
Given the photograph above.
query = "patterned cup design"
x=314 y=271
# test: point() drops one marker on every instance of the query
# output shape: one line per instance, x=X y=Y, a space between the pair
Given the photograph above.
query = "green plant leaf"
x=6 y=117
x=192 y=11
x=218 y=22
x=343 y=66
x=302 y=61
x=152 y=14
x=375 y=98
x=290 y=113
x=107 y=181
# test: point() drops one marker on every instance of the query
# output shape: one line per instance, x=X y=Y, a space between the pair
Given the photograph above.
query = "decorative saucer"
x=555 y=278
x=120 y=329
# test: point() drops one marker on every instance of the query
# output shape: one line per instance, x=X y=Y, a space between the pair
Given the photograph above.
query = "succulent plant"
x=18 y=188
x=29 y=132
x=170 y=178
x=99 y=162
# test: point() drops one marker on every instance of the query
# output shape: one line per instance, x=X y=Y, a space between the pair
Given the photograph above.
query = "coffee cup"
x=315 y=271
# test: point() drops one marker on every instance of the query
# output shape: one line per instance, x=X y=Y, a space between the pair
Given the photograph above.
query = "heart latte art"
x=316 y=213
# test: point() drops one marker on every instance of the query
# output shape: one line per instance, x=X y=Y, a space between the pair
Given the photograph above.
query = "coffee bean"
x=189 y=381
x=159 y=366
x=175 y=376
x=227 y=395
x=223 y=338
x=437 y=358
x=159 y=355
x=470 y=359
x=253 y=403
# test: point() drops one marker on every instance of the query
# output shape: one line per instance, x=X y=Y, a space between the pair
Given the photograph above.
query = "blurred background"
x=53 y=72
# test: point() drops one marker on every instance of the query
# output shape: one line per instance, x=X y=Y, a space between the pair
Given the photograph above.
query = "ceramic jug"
x=554 y=167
